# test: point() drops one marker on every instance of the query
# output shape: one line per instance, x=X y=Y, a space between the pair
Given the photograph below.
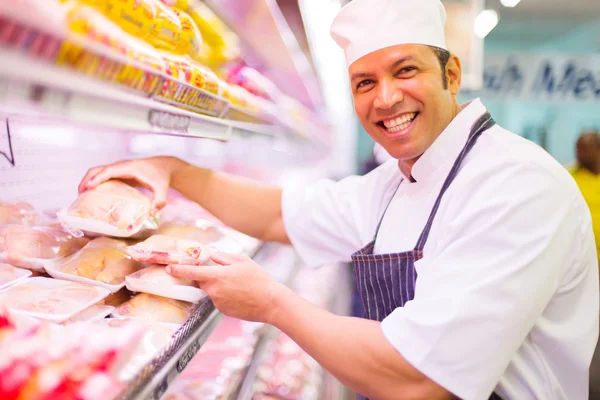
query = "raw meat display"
x=93 y=313
x=117 y=298
x=29 y=247
x=50 y=299
x=103 y=260
x=155 y=280
x=18 y=213
x=204 y=233
x=154 y=308
x=163 y=249
x=10 y=275
x=112 y=208
x=74 y=362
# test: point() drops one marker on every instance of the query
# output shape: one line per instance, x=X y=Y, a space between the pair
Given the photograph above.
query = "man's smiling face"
x=402 y=99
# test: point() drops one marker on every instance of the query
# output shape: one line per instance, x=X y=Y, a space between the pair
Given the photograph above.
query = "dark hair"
x=443 y=56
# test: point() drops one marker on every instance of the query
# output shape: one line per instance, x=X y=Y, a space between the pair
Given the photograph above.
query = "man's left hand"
x=238 y=287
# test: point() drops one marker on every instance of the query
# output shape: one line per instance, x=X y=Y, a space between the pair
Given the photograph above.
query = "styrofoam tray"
x=178 y=292
x=54 y=271
x=93 y=313
x=42 y=290
x=94 y=227
x=19 y=275
x=33 y=264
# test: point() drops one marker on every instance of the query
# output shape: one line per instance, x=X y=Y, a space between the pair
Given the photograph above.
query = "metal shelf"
x=32 y=87
x=153 y=381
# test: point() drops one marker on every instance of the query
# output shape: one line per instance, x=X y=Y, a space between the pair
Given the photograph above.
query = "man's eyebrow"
x=393 y=66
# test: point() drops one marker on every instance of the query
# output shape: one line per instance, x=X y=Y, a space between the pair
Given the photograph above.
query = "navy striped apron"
x=387 y=281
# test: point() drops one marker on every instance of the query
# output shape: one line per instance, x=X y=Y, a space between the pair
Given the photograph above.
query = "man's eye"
x=364 y=83
x=406 y=70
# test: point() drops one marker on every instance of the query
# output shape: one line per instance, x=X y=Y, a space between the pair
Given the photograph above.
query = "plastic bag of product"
x=166 y=31
x=47 y=362
x=191 y=40
x=155 y=280
x=17 y=213
x=154 y=308
x=35 y=247
x=163 y=249
x=103 y=262
x=112 y=208
x=10 y=275
x=50 y=299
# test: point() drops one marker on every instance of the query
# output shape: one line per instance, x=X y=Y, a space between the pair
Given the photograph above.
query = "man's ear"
x=454 y=74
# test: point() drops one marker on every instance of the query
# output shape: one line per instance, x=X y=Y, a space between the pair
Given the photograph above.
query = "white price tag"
x=165 y=120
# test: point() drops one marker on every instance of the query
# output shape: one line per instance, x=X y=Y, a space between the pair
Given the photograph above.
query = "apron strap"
x=385 y=210
x=484 y=123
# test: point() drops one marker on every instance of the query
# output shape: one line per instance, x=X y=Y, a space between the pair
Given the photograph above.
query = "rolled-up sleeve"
x=499 y=258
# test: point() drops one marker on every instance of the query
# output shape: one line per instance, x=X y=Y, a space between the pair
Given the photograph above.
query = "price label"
x=166 y=120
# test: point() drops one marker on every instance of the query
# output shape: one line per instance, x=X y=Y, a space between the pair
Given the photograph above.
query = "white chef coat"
x=506 y=297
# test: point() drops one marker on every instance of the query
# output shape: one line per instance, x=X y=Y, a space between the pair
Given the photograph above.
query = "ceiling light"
x=485 y=22
x=510 y=3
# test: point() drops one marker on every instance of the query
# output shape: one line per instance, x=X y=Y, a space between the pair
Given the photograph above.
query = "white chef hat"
x=365 y=26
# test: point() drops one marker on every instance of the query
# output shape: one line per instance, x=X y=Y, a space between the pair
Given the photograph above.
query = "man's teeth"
x=400 y=123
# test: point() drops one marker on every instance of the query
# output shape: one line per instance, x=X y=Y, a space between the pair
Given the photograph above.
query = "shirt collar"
x=446 y=148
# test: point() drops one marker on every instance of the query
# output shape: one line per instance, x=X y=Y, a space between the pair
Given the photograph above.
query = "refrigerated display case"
x=73 y=99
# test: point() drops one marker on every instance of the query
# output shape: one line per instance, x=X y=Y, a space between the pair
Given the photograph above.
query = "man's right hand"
x=153 y=173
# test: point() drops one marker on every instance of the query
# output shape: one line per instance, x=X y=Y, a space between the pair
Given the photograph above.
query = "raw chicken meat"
x=19 y=244
x=118 y=298
x=18 y=213
x=115 y=203
x=157 y=274
x=205 y=234
x=155 y=308
x=51 y=297
x=9 y=274
x=163 y=249
x=102 y=259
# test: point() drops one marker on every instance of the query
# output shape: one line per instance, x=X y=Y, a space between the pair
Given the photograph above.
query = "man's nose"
x=388 y=95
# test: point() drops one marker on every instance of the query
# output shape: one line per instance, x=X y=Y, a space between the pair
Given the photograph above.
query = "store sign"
x=550 y=77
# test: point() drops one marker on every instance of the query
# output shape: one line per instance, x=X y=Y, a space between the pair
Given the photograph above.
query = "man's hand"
x=238 y=287
x=153 y=173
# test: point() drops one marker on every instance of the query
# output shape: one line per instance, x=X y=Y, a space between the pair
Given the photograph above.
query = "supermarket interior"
x=254 y=95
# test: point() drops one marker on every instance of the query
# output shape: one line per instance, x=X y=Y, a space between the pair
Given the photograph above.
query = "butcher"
x=472 y=248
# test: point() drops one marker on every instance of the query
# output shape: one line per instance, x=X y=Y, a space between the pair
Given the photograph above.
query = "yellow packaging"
x=166 y=30
x=135 y=17
x=191 y=40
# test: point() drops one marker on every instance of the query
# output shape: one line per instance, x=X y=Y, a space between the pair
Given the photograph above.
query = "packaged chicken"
x=73 y=362
x=155 y=280
x=93 y=313
x=163 y=249
x=17 y=213
x=118 y=298
x=102 y=262
x=155 y=338
x=50 y=299
x=35 y=247
x=10 y=275
x=154 y=308
x=112 y=208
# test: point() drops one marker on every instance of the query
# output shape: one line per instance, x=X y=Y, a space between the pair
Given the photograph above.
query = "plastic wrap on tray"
x=45 y=362
x=10 y=275
x=93 y=313
x=17 y=213
x=50 y=299
x=117 y=298
x=155 y=308
x=155 y=338
x=112 y=208
x=163 y=249
x=103 y=262
x=34 y=247
x=155 y=280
